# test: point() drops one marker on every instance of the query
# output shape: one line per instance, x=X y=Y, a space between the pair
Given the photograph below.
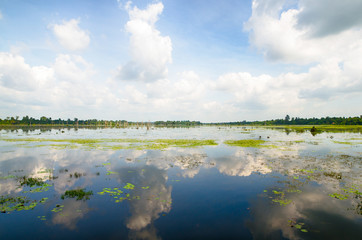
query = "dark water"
x=303 y=187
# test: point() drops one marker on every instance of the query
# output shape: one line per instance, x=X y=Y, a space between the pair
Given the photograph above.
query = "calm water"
x=300 y=187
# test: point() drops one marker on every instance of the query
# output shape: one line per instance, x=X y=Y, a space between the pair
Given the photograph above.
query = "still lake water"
x=298 y=187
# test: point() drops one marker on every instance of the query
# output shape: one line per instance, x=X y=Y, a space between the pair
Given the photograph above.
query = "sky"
x=210 y=61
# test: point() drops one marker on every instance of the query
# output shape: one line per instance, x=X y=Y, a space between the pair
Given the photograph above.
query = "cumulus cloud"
x=288 y=35
x=291 y=92
x=150 y=52
x=17 y=75
x=66 y=84
x=70 y=35
x=73 y=68
x=326 y=17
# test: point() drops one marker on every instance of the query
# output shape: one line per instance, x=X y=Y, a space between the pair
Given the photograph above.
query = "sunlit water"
x=301 y=187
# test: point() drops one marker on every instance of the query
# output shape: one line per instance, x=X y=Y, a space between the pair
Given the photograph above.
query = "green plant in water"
x=9 y=204
x=339 y=196
x=299 y=226
x=80 y=194
x=31 y=182
x=43 y=188
x=129 y=186
x=58 y=208
x=8 y=177
x=246 y=143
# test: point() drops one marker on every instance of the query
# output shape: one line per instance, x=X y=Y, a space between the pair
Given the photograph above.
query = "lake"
x=179 y=183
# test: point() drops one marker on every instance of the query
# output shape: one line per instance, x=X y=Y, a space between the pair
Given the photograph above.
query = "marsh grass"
x=113 y=144
x=319 y=128
x=347 y=143
x=248 y=143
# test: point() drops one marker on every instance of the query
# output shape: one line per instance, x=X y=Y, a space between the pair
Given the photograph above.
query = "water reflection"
x=71 y=213
x=310 y=183
x=317 y=215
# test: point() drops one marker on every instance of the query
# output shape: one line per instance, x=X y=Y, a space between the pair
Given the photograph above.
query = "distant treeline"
x=302 y=121
x=29 y=121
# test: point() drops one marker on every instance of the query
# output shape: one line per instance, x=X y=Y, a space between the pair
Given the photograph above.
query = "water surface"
x=295 y=186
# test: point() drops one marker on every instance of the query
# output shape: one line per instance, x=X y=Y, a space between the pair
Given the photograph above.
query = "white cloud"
x=1 y=16
x=72 y=68
x=287 y=36
x=326 y=17
x=290 y=92
x=70 y=35
x=16 y=74
x=150 y=51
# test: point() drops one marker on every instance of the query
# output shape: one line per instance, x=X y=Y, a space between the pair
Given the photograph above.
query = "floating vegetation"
x=31 y=182
x=116 y=193
x=129 y=186
x=76 y=175
x=348 y=143
x=43 y=218
x=58 y=208
x=279 y=197
x=348 y=192
x=112 y=144
x=45 y=171
x=299 y=226
x=80 y=194
x=111 y=192
x=9 y=204
x=7 y=177
x=320 y=128
x=110 y=172
x=333 y=175
x=339 y=196
x=353 y=190
x=247 y=143
x=43 y=188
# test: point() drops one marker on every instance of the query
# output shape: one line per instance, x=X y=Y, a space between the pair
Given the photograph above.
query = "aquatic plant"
x=338 y=196
x=80 y=194
x=58 y=208
x=7 y=177
x=111 y=144
x=9 y=203
x=31 y=182
x=299 y=226
x=246 y=143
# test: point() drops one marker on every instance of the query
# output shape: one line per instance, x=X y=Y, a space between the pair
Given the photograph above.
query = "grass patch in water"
x=80 y=194
x=111 y=144
x=347 y=143
x=248 y=143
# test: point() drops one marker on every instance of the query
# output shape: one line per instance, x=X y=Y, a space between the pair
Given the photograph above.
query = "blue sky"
x=175 y=60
